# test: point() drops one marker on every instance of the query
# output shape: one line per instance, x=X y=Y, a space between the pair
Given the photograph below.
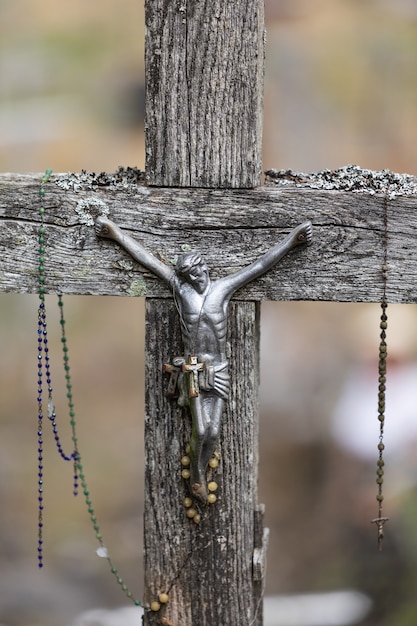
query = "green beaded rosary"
x=44 y=374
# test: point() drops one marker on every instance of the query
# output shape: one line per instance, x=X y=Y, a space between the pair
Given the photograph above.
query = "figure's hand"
x=105 y=228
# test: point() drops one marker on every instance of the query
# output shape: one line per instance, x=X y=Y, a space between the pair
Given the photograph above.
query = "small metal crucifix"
x=201 y=373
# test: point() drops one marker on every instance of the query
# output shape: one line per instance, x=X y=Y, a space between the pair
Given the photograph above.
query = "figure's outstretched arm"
x=108 y=229
x=300 y=235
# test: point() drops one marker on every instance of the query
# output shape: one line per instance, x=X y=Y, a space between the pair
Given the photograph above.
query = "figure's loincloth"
x=215 y=378
x=212 y=378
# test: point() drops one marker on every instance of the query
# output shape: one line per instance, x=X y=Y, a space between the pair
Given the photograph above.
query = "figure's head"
x=193 y=269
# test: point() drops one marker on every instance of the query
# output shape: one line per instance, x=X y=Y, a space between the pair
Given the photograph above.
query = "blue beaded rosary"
x=44 y=374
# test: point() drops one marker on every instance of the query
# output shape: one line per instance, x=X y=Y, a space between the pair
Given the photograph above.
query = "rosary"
x=382 y=379
x=47 y=412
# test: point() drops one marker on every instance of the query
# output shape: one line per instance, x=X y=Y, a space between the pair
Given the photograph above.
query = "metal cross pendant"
x=192 y=367
x=380 y=521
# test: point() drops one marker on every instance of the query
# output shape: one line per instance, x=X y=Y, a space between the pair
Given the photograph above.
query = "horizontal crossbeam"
x=230 y=227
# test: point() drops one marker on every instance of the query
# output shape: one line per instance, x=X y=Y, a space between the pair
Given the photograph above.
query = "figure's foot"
x=105 y=227
x=199 y=491
x=303 y=233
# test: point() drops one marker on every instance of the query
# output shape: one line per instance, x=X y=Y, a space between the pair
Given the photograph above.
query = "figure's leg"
x=198 y=434
x=207 y=413
x=212 y=431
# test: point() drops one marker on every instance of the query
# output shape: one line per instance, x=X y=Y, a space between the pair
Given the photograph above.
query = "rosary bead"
x=155 y=606
x=211 y=498
x=163 y=598
x=213 y=463
x=212 y=486
x=186 y=473
x=185 y=461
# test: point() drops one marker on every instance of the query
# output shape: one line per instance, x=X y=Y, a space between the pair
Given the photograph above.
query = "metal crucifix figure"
x=201 y=373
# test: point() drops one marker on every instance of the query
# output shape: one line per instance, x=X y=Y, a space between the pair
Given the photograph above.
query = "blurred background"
x=341 y=87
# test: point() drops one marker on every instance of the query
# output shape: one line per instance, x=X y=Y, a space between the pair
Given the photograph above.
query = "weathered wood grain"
x=206 y=569
x=230 y=227
x=204 y=74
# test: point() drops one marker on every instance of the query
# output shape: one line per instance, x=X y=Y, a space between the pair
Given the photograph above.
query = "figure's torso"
x=204 y=322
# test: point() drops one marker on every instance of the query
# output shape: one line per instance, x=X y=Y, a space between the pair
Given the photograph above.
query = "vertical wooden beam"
x=204 y=92
x=207 y=569
x=204 y=83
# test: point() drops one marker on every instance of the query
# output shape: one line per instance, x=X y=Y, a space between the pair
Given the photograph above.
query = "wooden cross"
x=202 y=190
